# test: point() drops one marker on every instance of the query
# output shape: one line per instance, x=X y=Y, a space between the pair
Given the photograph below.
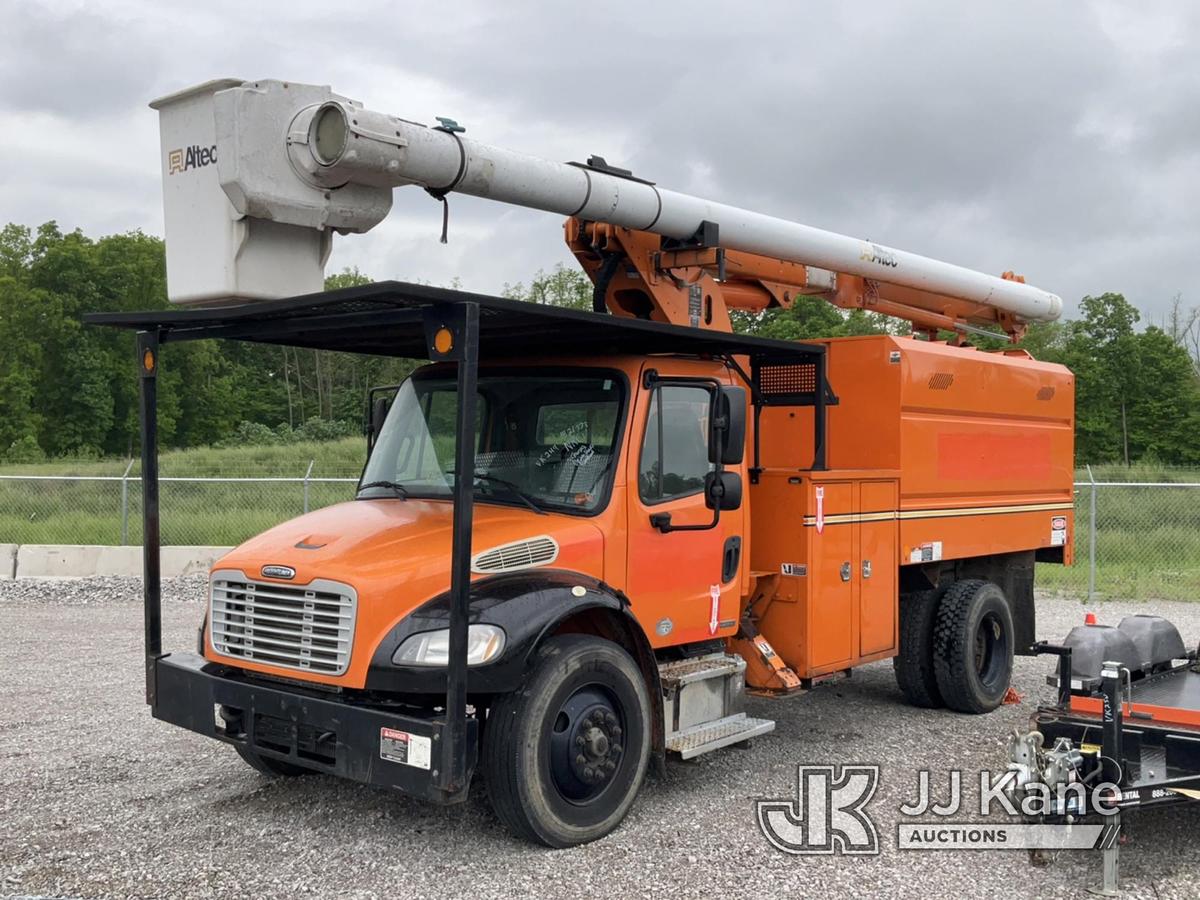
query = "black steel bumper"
x=325 y=734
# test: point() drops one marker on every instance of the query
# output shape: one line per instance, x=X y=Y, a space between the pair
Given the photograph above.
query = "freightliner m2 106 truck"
x=581 y=538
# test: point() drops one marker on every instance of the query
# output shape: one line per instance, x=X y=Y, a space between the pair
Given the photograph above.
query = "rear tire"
x=565 y=756
x=272 y=768
x=913 y=665
x=973 y=646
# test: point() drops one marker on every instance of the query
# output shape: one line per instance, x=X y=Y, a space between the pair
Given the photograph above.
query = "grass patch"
x=1147 y=538
x=331 y=459
x=90 y=512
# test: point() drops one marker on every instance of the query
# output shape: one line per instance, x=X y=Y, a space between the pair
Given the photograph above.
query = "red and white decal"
x=1058 y=531
x=405 y=748
x=820 y=509
x=714 y=613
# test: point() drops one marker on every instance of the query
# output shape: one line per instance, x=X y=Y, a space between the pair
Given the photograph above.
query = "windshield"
x=544 y=440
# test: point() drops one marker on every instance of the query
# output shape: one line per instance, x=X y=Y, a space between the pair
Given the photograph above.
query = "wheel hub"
x=585 y=746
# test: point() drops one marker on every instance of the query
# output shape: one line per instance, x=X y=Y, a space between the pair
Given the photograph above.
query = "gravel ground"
x=99 y=800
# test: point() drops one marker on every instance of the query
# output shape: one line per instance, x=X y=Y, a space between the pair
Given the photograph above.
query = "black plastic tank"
x=1157 y=640
x=1093 y=645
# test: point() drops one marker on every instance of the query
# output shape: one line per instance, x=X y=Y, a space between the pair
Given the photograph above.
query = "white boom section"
x=358 y=145
x=293 y=159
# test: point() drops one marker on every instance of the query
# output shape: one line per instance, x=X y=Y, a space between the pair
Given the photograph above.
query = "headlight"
x=432 y=648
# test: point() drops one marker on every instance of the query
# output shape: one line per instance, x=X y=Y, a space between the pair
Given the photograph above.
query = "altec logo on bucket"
x=190 y=158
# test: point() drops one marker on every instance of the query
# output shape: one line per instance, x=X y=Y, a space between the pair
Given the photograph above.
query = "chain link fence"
x=106 y=509
x=1134 y=539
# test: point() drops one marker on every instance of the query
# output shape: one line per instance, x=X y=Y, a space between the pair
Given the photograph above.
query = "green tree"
x=1102 y=350
x=1164 y=408
x=809 y=318
x=559 y=287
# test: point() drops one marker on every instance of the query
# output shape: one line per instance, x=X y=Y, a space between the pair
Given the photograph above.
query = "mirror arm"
x=662 y=521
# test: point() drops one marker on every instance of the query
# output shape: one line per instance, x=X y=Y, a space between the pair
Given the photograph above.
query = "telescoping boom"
x=298 y=155
x=351 y=144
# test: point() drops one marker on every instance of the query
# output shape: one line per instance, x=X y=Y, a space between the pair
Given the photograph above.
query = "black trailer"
x=1125 y=724
x=315 y=730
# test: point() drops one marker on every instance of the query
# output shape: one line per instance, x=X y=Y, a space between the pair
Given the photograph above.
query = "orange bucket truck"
x=581 y=537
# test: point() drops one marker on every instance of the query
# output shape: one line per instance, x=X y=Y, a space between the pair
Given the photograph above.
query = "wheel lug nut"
x=579 y=741
x=616 y=732
x=586 y=724
x=589 y=774
x=580 y=759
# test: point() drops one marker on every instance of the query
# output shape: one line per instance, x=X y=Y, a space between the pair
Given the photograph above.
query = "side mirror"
x=723 y=490
x=727 y=440
x=379 y=411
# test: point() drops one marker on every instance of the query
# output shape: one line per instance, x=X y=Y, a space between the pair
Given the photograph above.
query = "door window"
x=674 y=459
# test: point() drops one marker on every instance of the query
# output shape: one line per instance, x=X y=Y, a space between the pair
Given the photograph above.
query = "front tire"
x=973 y=646
x=565 y=756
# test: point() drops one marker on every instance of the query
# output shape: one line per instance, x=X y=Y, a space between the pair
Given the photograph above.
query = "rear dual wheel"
x=914 y=663
x=956 y=647
x=564 y=757
x=973 y=646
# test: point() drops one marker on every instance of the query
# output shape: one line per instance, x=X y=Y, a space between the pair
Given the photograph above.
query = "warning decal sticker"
x=928 y=552
x=403 y=747
x=1058 y=531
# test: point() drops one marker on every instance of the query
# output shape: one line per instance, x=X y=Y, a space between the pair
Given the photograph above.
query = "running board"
x=715 y=735
x=702 y=704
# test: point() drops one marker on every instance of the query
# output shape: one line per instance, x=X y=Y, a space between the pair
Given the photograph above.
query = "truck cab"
x=575 y=462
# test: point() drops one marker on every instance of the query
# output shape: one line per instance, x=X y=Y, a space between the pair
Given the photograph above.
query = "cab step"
x=703 y=702
x=685 y=671
x=710 y=736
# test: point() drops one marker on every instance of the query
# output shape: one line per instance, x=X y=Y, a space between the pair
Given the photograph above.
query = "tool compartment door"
x=831 y=604
x=875 y=566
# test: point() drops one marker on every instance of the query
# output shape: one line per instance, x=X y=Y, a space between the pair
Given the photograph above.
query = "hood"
x=395 y=553
x=363 y=542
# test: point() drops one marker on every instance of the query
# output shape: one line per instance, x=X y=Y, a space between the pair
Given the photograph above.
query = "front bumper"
x=323 y=733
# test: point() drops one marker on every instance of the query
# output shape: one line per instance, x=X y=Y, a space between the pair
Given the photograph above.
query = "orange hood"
x=396 y=555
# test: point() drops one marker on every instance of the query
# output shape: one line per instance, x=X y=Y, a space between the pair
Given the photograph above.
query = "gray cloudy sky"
x=1059 y=139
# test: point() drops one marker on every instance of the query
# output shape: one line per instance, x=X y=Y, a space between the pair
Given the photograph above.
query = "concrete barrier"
x=8 y=562
x=86 y=561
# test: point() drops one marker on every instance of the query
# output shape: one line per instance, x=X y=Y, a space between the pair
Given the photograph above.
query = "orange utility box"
x=832 y=537
x=935 y=454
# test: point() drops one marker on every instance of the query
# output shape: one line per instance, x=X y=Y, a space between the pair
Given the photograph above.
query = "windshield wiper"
x=513 y=489
x=400 y=490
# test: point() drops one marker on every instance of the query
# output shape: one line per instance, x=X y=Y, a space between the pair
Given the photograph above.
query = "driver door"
x=680 y=582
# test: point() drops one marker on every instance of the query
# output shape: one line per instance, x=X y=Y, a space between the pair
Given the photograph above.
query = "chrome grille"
x=308 y=627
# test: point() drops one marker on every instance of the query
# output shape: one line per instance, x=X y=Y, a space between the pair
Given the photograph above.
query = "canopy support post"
x=147 y=348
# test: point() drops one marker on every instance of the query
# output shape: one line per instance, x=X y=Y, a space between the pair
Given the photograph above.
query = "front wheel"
x=564 y=757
